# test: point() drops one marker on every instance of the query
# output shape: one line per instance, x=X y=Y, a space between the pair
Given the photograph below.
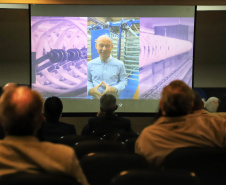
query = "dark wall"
x=14 y=46
x=210 y=49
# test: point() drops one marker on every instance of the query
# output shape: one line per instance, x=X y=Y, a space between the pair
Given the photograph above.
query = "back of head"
x=108 y=103
x=177 y=99
x=222 y=104
x=53 y=108
x=212 y=104
x=21 y=111
x=9 y=86
x=198 y=102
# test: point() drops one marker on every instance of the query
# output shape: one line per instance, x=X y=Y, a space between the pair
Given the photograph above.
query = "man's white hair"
x=212 y=104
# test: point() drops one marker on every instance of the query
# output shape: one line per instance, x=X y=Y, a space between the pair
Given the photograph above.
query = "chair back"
x=100 y=168
x=119 y=136
x=116 y=135
x=83 y=148
x=208 y=163
x=130 y=144
x=52 y=139
x=71 y=140
x=37 y=179
x=148 y=177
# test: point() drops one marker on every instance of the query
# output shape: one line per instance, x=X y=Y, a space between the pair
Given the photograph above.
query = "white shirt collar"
x=108 y=59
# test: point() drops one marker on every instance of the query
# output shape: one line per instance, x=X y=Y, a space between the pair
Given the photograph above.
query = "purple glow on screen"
x=59 y=56
x=165 y=54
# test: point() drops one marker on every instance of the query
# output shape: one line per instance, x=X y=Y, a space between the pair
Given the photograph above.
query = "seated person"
x=106 y=120
x=9 y=86
x=198 y=104
x=177 y=128
x=2 y=134
x=212 y=104
x=52 y=127
x=198 y=107
x=222 y=104
x=6 y=87
x=21 y=117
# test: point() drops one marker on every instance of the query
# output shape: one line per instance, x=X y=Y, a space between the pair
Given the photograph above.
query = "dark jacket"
x=56 y=129
x=110 y=123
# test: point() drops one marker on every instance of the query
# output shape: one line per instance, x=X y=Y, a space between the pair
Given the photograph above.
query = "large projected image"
x=147 y=53
x=59 y=56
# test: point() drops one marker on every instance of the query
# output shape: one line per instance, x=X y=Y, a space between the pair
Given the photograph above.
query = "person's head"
x=21 y=111
x=53 y=108
x=104 y=46
x=9 y=86
x=108 y=103
x=176 y=99
x=198 y=102
x=222 y=104
x=212 y=104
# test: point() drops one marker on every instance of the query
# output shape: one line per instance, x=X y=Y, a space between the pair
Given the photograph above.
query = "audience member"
x=222 y=104
x=9 y=86
x=212 y=104
x=198 y=104
x=157 y=116
x=6 y=87
x=21 y=117
x=177 y=128
x=198 y=107
x=52 y=127
x=106 y=119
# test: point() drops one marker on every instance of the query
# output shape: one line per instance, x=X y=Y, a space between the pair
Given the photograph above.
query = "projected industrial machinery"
x=59 y=56
x=165 y=54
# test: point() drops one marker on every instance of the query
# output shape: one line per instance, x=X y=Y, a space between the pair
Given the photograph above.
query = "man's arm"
x=122 y=79
x=91 y=90
x=89 y=79
x=115 y=89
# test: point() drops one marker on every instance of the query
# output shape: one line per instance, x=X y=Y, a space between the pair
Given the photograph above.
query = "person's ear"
x=161 y=107
x=116 y=107
x=192 y=105
x=160 y=104
x=96 y=45
x=203 y=104
x=42 y=117
x=39 y=123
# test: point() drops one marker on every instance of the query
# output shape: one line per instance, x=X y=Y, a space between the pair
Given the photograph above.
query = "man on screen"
x=105 y=74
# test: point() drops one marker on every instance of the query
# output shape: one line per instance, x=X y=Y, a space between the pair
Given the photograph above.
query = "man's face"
x=104 y=47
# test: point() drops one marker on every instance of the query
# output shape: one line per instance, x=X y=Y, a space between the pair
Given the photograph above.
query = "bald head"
x=9 y=86
x=104 y=37
x=104 y=46
x=177 y=99
x=21 y=111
